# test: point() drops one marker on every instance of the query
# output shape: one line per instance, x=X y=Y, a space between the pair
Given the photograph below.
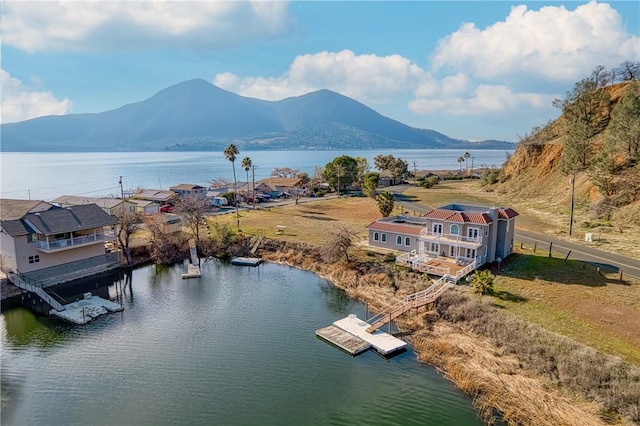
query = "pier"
x=350 y=334
x=193 y=267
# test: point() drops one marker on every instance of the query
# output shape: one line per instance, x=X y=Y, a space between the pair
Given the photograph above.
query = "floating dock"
x=246 y=261
x=193 y=268
x=83 y=311
x=350 y=334
x=193 y=271
x=345 y=341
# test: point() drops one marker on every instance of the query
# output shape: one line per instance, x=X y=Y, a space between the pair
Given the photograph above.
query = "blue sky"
x=469 y=69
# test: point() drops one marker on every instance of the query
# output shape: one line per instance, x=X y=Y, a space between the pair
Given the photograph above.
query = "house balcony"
x=455 y=240
x=50 y=246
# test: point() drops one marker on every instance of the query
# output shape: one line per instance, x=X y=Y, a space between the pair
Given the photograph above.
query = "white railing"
x=21 y=283
x=417 y=299
x=431 y=235
x=465 y=271
x=70 y=242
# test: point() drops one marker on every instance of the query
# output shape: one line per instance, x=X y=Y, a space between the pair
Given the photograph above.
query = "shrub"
x=482 y=282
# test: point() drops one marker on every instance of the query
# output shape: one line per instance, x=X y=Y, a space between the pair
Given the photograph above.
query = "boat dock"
x=350 y=334
x=85 y=310
x=193 y=268
x=246 y=261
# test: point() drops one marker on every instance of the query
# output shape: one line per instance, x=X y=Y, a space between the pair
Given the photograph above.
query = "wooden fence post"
x=550 y=246
x=565 y=259
x=620 y=279
x=535 y=245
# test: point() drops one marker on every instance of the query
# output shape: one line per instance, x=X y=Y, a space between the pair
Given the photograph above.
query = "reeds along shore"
x=513 y=370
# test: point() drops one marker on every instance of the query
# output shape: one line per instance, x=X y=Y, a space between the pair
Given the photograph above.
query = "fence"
x=563 y=253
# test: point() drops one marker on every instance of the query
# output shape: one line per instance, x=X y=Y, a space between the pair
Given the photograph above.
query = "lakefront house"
x=447 y=239
x=41 y=241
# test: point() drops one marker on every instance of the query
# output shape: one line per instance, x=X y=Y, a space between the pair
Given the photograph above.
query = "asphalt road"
x=612 y=261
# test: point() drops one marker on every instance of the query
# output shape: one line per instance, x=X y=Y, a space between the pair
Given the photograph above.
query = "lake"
x=46 y=176
x=235 y=347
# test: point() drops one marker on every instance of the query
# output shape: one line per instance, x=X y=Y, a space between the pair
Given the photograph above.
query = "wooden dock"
x=342 y=339
x=350 y=334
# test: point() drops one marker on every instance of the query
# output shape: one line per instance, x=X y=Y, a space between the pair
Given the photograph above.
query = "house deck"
x=439 y=266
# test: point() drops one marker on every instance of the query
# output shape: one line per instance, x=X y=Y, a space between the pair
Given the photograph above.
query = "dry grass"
x=573 y=299
x=308 y=222
x=497 y=382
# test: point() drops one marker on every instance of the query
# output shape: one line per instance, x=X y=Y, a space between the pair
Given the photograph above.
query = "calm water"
x=48 y=175
x=235 y=347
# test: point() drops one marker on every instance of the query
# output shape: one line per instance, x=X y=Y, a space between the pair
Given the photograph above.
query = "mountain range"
x=197 y=115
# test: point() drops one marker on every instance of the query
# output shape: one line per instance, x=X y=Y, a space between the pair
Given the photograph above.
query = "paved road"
x=615 y=262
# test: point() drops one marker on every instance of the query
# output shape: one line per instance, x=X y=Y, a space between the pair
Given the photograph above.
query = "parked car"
x=167 y=208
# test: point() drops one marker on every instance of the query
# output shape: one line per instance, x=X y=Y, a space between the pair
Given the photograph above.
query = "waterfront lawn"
x=310 y=221
x=573 y=299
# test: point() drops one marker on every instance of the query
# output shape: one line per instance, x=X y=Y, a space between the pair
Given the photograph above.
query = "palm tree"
x=460 y=161
x=466 y=159
x=230 y=154
x=246 y=165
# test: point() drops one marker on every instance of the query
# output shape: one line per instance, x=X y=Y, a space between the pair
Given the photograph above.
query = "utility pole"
x=121 y=190
x=253 y=185
x=572 y=180
x=415 y=172
x=471 y=167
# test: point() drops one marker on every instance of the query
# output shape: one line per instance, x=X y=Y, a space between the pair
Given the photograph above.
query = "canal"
x=235 y=347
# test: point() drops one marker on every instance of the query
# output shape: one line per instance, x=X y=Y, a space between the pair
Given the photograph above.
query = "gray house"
x=43 y=241
x=448 y=238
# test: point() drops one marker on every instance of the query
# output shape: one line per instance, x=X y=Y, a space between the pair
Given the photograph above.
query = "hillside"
x=196 y=115
x=535 y=173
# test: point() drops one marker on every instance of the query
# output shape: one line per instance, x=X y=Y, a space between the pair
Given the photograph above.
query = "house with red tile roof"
x=448 y=238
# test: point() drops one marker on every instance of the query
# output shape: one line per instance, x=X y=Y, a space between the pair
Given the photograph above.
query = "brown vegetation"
x=527 y=374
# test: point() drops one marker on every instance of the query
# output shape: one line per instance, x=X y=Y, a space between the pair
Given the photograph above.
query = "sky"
x=469 y=69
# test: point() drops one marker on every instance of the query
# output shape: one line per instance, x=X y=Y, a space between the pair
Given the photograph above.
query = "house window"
x=486 y=231
x=471 y=253
x=376 y=236
x=399 y=240
x=32 y=238
x=473 y=233
x=435 y=247
x=407 y=241
x=383 y=238
x=486 y=250
x=437 y=228
x=34 y=259
x=455 y=229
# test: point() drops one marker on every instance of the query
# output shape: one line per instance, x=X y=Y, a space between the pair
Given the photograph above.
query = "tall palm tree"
x=460 y=161
x=230 y=154
x=466 y=160
x=246 y=165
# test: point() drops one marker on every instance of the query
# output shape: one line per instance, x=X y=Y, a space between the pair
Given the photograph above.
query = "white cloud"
x=370 y=79
x=553 y=43
x=484 y=100
x=117 y=24
x=20 y=103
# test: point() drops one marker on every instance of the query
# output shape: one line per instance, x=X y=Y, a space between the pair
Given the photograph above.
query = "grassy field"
x=564 y=297
x=310 y=221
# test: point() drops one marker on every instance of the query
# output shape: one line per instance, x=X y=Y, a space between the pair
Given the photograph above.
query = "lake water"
x=236 y=347
x=48 y=175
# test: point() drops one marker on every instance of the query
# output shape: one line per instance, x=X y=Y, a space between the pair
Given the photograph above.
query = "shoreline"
x=497 y=381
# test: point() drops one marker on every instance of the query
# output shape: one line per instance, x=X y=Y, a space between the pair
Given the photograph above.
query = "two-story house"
x=447 y=238
x=43 y=241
